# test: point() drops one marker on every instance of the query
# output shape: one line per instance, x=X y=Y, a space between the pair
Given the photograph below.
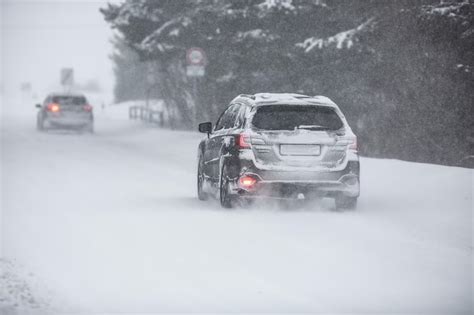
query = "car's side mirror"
x=38 y=105
x=205 y=127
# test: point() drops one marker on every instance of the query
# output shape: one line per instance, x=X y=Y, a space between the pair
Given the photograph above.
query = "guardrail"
x=146 y=114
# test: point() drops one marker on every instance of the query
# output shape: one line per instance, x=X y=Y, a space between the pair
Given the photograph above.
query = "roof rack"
x=322 y=97
x=300 y=95
x=248 y=96
x=271 y=98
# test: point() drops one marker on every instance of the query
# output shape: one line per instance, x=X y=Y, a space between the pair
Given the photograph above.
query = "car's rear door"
x=222 y=130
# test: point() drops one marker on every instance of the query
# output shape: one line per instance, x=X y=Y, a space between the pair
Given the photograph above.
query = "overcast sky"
x=41 y=37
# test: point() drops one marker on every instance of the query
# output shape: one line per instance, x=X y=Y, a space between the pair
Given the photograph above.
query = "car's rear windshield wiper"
x=313 y=127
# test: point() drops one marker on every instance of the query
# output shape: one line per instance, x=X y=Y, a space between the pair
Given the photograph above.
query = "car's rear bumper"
x=64 y=121
x=289 y=184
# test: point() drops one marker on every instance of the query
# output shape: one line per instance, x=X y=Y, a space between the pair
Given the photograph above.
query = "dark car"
x=65 y=111
x=279 y=146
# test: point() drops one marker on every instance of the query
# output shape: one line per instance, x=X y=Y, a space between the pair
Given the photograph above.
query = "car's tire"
x=224 y=197
x=345 y=203
x=202 y=195
x=89 y=128
x=40 y=124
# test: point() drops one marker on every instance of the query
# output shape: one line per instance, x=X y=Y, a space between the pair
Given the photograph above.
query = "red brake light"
x=243 y=141
x=88 y=108
x=53 y=107
x=247 y=181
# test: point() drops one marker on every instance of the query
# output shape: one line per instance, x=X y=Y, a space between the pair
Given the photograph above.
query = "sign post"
x=67 y=77
x=151 y=81
x=195 y=68
x=25 y=89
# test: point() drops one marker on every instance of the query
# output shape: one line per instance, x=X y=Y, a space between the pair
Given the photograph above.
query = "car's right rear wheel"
x=346 y=203
x=89 y=128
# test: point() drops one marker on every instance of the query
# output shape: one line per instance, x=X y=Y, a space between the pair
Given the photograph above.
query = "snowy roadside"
x=121 y=230
x=20 y=291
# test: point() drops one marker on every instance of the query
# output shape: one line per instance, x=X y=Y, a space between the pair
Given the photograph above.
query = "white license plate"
x=300 y=149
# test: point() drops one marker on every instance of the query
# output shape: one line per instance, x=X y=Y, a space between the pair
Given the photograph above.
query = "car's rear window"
x=290 y=117
x=69 y=100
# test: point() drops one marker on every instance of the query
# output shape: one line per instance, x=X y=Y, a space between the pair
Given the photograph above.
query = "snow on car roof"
x=66 y=94
x=261 y=99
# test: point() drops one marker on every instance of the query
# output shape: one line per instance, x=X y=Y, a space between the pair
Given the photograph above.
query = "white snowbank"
x=20 y=291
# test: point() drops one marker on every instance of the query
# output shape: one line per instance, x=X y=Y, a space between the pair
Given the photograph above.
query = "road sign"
x=195 y=56
x=67 y=76
x=195 y=71
x=195 y=62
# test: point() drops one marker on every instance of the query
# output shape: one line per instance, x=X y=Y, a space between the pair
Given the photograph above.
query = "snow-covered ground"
x=109 y=223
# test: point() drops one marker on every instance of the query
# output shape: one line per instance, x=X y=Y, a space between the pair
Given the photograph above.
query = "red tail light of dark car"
x=242 y=141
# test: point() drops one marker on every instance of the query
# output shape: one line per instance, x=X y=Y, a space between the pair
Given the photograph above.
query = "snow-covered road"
x=110 y=223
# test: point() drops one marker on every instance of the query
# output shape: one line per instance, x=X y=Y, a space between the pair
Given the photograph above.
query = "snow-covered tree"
x=395 y=67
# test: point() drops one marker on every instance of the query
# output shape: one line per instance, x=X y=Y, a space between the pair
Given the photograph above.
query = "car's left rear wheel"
x=224 y=196
x=40 y=124
x=202 y=195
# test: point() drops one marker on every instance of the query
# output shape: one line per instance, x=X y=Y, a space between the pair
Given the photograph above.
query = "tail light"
x=247 y=181
x=88 y=108
x=242 y=141
x=353 y=145
x=53 y=107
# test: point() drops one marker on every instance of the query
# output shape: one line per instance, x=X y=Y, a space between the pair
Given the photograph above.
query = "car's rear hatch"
x=72 y=107
x=298 y=136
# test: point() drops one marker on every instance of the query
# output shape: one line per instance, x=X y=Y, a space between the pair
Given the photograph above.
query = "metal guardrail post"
x=132 y=113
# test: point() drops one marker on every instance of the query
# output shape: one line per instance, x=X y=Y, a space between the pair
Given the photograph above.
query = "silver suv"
x=279 y=146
